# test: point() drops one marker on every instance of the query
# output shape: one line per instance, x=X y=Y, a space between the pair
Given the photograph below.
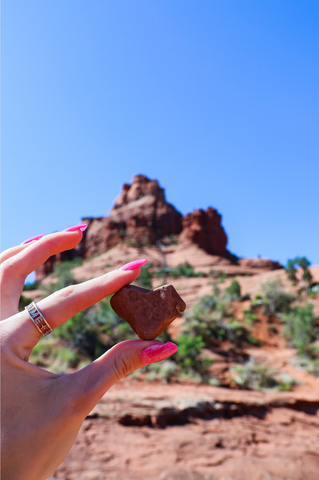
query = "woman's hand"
x=42 y=412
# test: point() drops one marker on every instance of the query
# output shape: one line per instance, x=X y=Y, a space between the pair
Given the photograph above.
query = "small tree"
x=306 y=275
x=291 y=271
x=304 y=263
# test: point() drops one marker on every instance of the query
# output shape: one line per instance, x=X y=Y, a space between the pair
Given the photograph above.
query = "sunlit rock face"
x=140 y=217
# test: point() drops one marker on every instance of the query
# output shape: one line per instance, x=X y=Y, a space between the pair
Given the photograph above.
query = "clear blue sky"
x=217 y=99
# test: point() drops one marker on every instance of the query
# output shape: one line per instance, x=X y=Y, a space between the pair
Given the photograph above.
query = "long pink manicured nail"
x=81 y=227
x=156 y=353
x=134 y=265
x=37 y=237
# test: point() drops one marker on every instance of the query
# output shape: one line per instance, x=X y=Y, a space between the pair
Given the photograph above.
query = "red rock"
x=148 y=312
x=204 y=229
x=141 y=215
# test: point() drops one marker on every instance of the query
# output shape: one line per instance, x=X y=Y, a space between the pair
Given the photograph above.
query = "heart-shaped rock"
x=148 y=312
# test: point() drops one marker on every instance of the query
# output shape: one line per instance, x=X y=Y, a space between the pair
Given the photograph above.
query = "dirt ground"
x=283 y=446
x=271 y=442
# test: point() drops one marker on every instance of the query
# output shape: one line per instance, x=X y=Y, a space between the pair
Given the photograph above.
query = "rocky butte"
x=141 y=216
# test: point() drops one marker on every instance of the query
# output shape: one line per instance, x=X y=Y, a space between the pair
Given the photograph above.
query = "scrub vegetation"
x=216 y=323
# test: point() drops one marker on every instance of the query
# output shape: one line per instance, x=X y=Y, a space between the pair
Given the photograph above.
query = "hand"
x=42 y=412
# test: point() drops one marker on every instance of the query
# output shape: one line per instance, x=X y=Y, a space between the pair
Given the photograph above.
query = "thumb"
x=116 y=363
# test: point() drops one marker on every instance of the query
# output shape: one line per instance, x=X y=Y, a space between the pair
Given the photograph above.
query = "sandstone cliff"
x=141 y=216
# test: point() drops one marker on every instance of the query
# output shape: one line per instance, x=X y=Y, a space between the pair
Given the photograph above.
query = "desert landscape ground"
x=243 y=403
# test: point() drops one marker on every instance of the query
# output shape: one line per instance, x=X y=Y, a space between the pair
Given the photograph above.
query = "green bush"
x=184 y=270
x=164 y=371
x=250 y=317
x=212 y=319
x=51 y=355
x=187 y=363
x=218 y=275
x=234 y=290
x=254 y=375
x=311 y=365
x=274 y=299
x=300 y=327
x=95 y=330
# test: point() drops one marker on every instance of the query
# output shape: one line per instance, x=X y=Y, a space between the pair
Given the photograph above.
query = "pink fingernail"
x=81 y=227
x=37 y=237
x=156 y=353
x=134 y=265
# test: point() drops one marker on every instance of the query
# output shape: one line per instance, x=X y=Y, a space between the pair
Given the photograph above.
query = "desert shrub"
x=285 y=382
x=254 y=375
x=187 y=364
x=274 y=299
x=212 y=319
x=234 y=290
x=164 y=371
x=311 y=365
x=250 y=317
x=189 y=349
x=51 y=355
x=81 y=333
x=95 y=330
x=185 y=270
x=300 y=327
x=217 y=275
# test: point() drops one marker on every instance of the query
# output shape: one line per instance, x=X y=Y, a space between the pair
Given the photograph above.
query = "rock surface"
x=140 y=215
x=204 y=229
x=168 y=432
x=148 y=312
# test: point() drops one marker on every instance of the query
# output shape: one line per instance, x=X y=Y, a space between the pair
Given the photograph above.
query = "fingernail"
x=156 y=353
x=81 y=227
x=134 y=265
x=37 y=237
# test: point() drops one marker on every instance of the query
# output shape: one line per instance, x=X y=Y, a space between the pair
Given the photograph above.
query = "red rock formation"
x=140 y=215
x=204 y=229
